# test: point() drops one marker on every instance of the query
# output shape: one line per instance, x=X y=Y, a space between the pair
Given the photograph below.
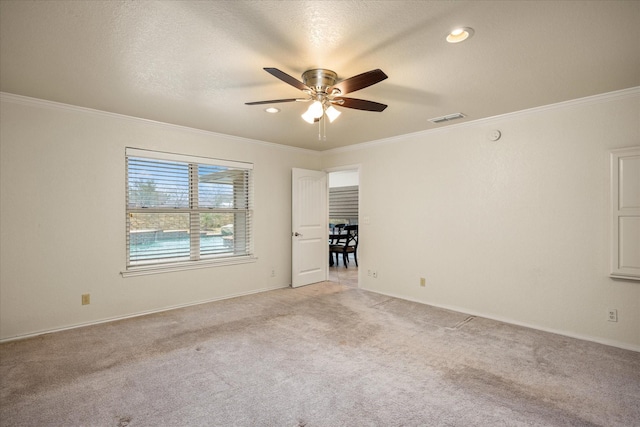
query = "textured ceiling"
x=195 y=63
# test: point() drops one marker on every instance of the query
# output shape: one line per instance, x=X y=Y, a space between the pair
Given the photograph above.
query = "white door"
x=625 y=215
x=309 y=227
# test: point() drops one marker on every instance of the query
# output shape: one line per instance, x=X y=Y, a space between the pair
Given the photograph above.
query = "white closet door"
x=625 y=207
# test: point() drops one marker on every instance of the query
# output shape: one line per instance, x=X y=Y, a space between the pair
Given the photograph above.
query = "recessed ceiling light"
x=460 y=34
x=272 y=110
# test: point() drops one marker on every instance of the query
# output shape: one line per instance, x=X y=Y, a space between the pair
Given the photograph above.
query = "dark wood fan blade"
x=273 y=101
x=287 y=78
x=360 y=81
x=360 y=104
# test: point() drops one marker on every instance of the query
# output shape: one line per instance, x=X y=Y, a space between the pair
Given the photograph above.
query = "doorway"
x=344 y=195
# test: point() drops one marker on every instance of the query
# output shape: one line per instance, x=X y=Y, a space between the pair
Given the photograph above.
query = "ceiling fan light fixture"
x=315 y=111
x=308 y=117
x=460 y=34
x=272 y=110
x=332 y=113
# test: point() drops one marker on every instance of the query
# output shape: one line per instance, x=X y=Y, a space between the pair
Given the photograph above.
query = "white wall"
x=343 y=178
x=62 y=217
x=516 y=229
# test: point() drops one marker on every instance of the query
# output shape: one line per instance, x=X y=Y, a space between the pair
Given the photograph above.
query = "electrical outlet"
x=273 y=272
x=612 y=315
x=369 y=273
x=374 y=274
x=423 y=281
x=86 y=299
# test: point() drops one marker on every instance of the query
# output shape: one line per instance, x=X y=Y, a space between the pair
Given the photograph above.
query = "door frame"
x=358 y=168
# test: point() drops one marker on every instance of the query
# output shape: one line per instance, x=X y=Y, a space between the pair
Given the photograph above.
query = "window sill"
x=187 y=265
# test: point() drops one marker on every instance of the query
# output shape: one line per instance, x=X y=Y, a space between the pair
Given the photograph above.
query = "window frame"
x=196 y=258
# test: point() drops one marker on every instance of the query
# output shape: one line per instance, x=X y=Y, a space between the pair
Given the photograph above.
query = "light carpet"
x=321 y=355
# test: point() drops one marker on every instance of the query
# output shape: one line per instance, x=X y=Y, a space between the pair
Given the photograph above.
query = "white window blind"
x=185 y=209
x=343 y=202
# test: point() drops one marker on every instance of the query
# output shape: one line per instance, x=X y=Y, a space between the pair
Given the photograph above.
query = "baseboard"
x=130 y=316
x=599 y=340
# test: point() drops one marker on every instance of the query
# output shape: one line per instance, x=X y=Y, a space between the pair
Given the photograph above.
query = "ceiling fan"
x=320 y=86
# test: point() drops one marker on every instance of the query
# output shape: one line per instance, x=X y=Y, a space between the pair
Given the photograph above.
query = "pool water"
x=177 y=248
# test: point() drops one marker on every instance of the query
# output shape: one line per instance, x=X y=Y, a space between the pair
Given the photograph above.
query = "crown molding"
x=589 y=100
x=43 y=103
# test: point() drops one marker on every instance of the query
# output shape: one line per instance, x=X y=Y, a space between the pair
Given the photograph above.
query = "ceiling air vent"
x=447 y=118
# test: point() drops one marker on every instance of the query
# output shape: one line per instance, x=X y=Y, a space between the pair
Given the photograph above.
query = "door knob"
x=297 y=234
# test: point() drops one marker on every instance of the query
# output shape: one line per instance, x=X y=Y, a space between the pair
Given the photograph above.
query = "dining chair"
x=337 y=232
x=350 y=246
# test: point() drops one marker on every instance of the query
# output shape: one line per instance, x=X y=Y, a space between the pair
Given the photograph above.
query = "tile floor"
x=344 y=275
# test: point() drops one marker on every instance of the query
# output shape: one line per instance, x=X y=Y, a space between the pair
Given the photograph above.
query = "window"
x=343 y=205
x=186 y=212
